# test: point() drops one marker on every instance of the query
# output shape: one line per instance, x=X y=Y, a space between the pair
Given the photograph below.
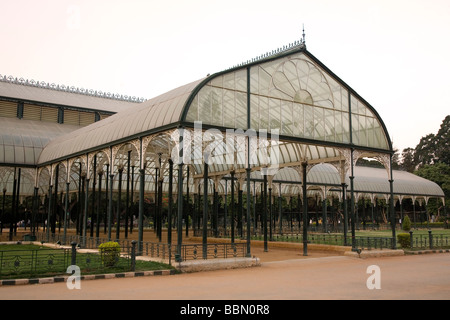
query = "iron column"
x=305 y=210
x=205 y=206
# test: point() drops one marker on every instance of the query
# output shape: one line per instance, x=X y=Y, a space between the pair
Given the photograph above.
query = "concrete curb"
x=375 y=253
x=427 y=251
x=56 y=279
x=217 y=264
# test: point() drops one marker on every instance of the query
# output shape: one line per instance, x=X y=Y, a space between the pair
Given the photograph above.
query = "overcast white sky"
x=394 y=53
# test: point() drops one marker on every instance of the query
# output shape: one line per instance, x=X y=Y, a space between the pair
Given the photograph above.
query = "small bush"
x=406 y=225
x=110 y=253
x=404 y=240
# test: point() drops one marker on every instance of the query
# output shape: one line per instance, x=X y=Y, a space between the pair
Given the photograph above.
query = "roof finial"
x=303 y=39
x=304 y=36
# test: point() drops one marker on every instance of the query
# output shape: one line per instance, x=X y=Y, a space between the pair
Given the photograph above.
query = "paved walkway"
x=283 y=275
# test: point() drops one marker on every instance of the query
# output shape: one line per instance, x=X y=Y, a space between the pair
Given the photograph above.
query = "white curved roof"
x=375 y=180
x=367 y=180
x=22 y=141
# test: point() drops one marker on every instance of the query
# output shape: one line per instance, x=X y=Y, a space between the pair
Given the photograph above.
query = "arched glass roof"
x=292 y=94
x=295 y=96
x=144 y=119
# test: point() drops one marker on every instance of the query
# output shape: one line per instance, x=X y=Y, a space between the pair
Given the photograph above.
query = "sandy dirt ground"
x=283 y=275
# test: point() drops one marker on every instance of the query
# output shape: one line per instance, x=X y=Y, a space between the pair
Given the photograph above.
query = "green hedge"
x=404 y=240
x=110 y=253
x=430 y=225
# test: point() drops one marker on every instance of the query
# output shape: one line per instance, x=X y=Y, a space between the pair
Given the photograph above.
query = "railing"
x=430 y=241
x=48 y=262
x=21 y=263
x=30 y=263
x=419 y=241
x=166 y=252
x=162 y=251
x=159 y=250
x=213 y=251
x=194 y=251
x=288 y=229
x=335 y=239
x=370 y=243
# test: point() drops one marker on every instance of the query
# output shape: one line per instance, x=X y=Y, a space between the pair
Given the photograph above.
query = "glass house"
x=282 y=122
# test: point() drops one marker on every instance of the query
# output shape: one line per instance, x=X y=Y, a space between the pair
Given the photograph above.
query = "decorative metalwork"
x=385 y=160
x=15 y=263
x=137 y=146
x=213 y=251
x=270 y=54
x=70 y=89
x=195 y=255
x=85 y=159
x=299 y=169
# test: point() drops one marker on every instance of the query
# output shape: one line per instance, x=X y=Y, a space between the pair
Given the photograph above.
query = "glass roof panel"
x=296 y=95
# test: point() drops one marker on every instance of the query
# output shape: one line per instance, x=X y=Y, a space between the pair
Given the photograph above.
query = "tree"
x=431 y=159
x=424 y=154
x=442 y=153
x=440 y=174
x=408 y=163
x=434 y=148
x=396 y=165
x=406 y=224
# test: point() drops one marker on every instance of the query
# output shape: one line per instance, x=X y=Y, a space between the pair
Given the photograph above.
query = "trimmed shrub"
x=404 y=240
x=406 y=225
x=110 y=253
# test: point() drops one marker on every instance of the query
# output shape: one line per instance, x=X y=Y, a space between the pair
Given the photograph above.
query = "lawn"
x=370 y=238
x=388 y=233
x=30 y=261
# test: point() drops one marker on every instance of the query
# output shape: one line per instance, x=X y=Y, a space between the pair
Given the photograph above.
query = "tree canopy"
x=431 y=149
x=430 y=159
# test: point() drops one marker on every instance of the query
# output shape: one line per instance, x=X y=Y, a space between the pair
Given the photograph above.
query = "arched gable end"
x=293 y=95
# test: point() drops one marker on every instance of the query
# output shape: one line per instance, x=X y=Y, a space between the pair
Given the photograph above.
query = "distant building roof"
x=368 y=180
x=30 y=90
